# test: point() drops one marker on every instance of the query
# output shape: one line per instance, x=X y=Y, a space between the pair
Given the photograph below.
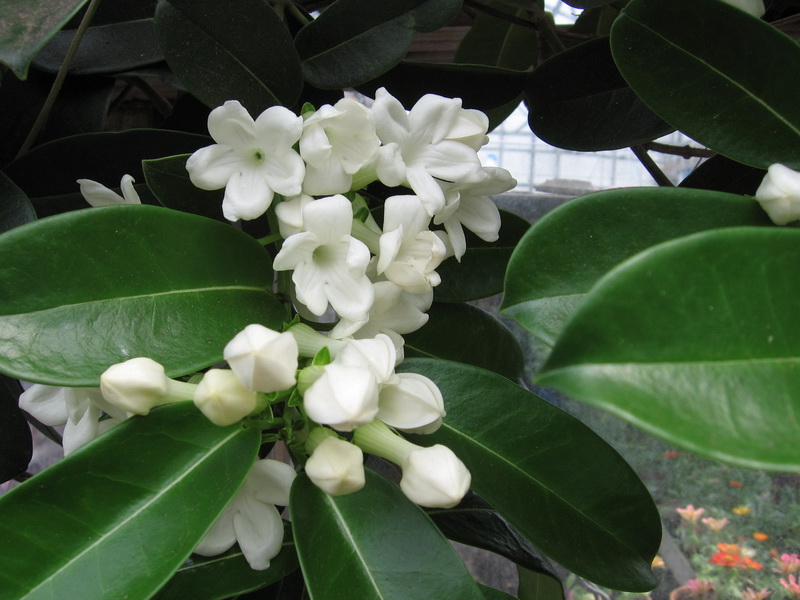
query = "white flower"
x=435 y=141
x=251 y=517
x=754 y=7
x=252 y=160
x=222 y=398
x=411 y=403
x=79 y=409
x=377 y=354
x=470 y=206
x=263 y=360
x=342 y=397
x=779 y=194
x=434 y=477
x=409 y=251
x=337 y=141
x=329 y=264
x=136 y=385
x=290 y=214
x=336 y=467
x=97 y=194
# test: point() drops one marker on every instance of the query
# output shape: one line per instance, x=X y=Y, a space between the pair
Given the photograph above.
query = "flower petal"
x=231 y=125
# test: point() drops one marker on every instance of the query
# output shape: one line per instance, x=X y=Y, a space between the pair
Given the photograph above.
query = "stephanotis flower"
x=97 y=194
x=779 y=194
x=337 y=141
x=252 y=160
x=329 y=265
x=435 y=141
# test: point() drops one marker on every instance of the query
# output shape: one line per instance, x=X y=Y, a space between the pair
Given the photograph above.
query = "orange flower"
x=670 y=454
x=730 y=555
x=761 y=537
x=733 y=483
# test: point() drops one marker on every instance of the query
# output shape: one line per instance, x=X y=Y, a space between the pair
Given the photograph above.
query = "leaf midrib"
x=544 y=374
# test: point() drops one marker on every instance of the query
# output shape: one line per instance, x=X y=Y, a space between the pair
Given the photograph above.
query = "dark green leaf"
x=537 y=586
x=27 y=25
x=15 y=208
x=567 y=251
x=553 y=478
x=493 y=594
x=718 y=74
x=588 y=3
x=579 y=101
x=498 y=42
x=104 y=49
x=107 y=523
x=117 y=12
x=90 y=288
x=722 y=174
x=169 y=181
x=16 y=444
x=470 y=335
x=374 y=544
x=475 y=523
x=695 y=340
x=354 y=41
x=480 y=272
x=237 y=49
x=226 y=575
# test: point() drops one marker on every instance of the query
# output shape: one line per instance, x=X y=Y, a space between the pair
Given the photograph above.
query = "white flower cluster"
x=376 y=278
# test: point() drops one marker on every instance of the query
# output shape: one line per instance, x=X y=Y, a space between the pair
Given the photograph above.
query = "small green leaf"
x=90 y=288
x=169 y=181
x=568 y=250
x=480 y=272
x=695 y=340
x=374 y=544
x=118 y=517
x=467 y=334
x=226 y=575
x=553 y=478
x=720 y=75
x=579 y=101
x=237 y=49
x=27 y=25
x=354 y=41
x=537 y=586
x=15 y=208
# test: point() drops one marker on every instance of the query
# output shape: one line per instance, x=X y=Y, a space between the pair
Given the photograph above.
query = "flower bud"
x=263 y=360
x=413 y=403
x=222 y=398
x=343 y=397
x=136 y=385
x=779 y=194
x=434 y=477
x=336 y=467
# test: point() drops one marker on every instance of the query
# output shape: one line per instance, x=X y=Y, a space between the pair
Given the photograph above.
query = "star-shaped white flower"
x=252 y=160
x=329 y=264
x=97 y=194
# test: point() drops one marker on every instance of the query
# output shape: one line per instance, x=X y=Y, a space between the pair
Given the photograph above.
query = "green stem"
x=651 y=166
x=269 y=239
x=376 y=438
x=50 y=101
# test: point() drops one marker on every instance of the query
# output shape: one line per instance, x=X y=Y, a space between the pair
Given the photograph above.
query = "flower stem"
x=376 y=438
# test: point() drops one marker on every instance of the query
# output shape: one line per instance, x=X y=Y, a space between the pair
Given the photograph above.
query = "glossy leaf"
x=579 y=101
x=568 y=250
x=498 y=42
x=87 y=289
x=537 y=586
x=695 y=340
x=16 y=444
x=553 y=478
x=354 y=41
x=480 y=272
x=104 y=49
x=226 y=575
x=467 y=334
x=27 y=25
x=374 y=544
x=710 y=70
x=121 y=526
x=237 y=49
x=169 y=181
x=15 y=208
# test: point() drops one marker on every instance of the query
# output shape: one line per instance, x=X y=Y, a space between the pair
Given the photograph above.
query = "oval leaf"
x=568 y=250
x=90 y=288
x=15 y=208
x=722 y=174
x=696 y=341
x=374 y=544
x=237 y=49
x=579 y=101
x=142 y=495
x=553 y=478
x=733 y=95
x=354 y=41
x=169 y=181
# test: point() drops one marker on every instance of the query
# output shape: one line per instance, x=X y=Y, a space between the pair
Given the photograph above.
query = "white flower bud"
x=413 y=403
x=136 y=385
x=222 y=398
x=343 y=397
x=434 y=477
x=377 y=354
x=336 y=467
x=779 y=194
x=263 y=360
